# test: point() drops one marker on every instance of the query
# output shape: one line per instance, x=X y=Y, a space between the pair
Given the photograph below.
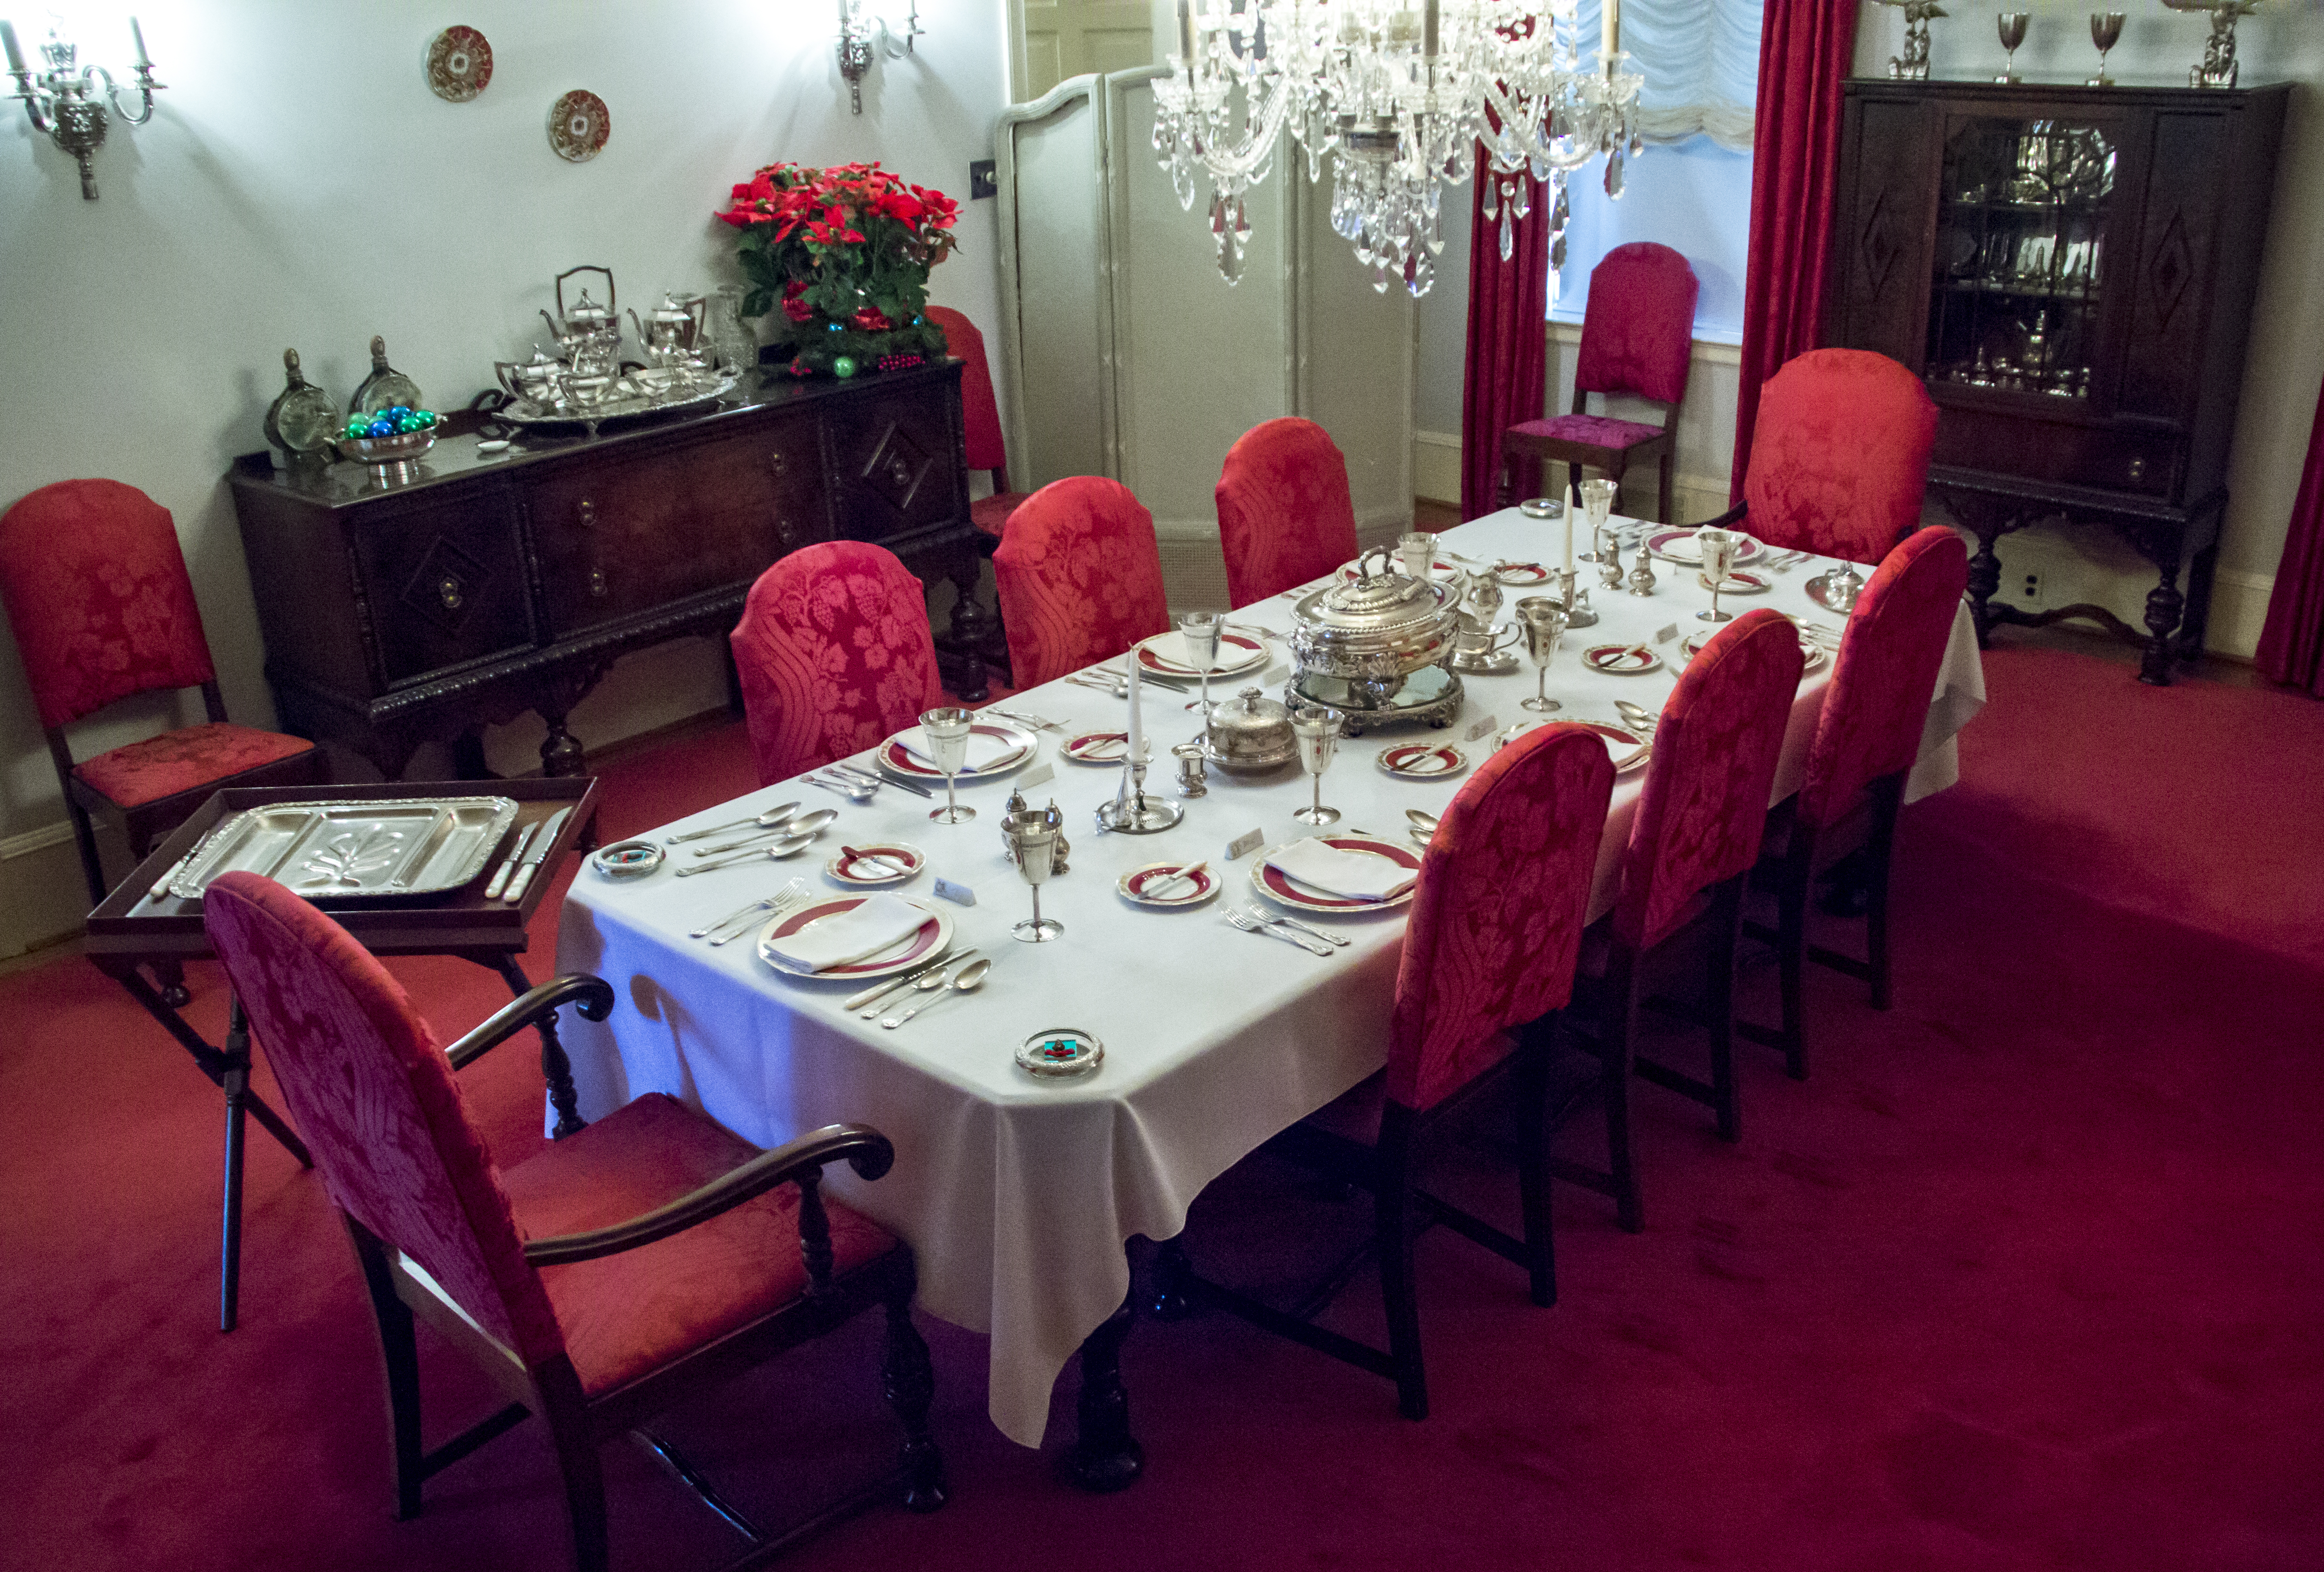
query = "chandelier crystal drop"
x=1396 y=100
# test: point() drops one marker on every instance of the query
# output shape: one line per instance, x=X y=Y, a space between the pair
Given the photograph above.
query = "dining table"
x=1019 y=1192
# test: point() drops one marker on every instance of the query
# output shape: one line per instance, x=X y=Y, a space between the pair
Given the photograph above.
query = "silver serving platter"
x=339 y=850
x=636 y=403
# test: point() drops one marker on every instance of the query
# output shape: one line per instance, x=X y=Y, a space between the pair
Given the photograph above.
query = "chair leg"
x=84 y=838
x=907 y=1380
x=577 y=1460
x=1728 y=914
x=1615 y=1077
x=1533 y=1169
x=171 y=977
x=399 y=1353
x=1887 y=797
x=1392 y=1232
x=1792 y=945
x=1669 y=513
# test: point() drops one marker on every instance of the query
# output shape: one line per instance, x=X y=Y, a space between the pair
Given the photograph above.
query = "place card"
x=960 y=894
x=1484 y=727
x=1666 y=632
x=1245 y=844
x=1040 y=774
x=1277 y=673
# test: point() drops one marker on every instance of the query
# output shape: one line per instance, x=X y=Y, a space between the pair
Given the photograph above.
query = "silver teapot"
x=671 y=330
x=587 y=335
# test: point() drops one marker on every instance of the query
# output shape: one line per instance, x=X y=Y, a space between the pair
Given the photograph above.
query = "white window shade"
x=1701 y=60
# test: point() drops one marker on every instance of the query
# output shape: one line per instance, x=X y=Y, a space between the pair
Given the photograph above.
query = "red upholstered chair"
x=624 y=1267
x=980 y=418
x=1866 y=738
x=1839 y=457
x=1638 y=337
x=1497 y=922
x=834 y=654
x=1285 y=514
x=1080 y=578
x=98 y=594
x=1693 y=844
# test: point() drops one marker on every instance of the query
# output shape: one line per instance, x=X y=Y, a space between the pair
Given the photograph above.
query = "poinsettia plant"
x=846 y=253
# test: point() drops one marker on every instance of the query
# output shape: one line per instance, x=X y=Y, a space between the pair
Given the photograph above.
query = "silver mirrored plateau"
x=335 y=851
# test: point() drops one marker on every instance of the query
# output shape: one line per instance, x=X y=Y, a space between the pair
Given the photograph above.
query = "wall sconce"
x=858 y=31
x=66 y=105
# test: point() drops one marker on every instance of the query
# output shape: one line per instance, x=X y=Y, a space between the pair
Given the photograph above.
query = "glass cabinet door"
x=2023 y=210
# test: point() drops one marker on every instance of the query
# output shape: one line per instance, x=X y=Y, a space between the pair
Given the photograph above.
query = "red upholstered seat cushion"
x=991 y=514
x=1588 y=432
x=183 y=761
x=626 y=1316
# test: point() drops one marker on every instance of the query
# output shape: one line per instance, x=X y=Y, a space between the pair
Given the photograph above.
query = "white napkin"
x=1357 y=876
x=983 y=751
x=880 y=922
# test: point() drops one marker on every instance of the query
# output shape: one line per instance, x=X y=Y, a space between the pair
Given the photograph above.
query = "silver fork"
x=783 y=907
x=796 y=887
x=1251 y=924
x=1035 y=721
x=1260 y=914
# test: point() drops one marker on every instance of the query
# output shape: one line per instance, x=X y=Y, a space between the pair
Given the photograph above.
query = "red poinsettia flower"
x=798 y=311
x=871 y=319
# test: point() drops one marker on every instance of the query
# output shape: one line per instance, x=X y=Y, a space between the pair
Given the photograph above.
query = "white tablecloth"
x=1017 y=1194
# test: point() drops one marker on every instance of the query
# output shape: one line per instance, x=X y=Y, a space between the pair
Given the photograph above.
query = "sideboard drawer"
x=627 y=537
x=444 y=585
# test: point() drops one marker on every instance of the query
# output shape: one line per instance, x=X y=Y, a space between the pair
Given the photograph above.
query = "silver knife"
x=516 y=855
x=870 y=997
x=539 y=854
x=870 y=778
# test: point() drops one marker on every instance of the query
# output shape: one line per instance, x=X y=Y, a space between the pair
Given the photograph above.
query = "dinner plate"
x=859 y=873
x=1520 y=575
x=1192 y=890
x=1422 y=761
x=1808 y=647
x=1095 y=748
x=1278 y=887
x=1444 y=570
x=1680 y=546
x=1621 y=659
x=1633 y=750
x=929 y=938
x=1736 y=583
x=1238 y=652
x=892 y=758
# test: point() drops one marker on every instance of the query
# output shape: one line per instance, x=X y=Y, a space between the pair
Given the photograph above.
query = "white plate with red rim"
x=1280 y=887
x=929 y=938
x=1627 y=749
x=1681 y=546
x=1444 y=570
x=1423 y=761
x=1165 y=656
x=1190 y=889
x=1737 y=583
x=893 y=757
x=1621 y=659
x=1808 y=647
x=857 y=869
x=1095 y=748
x=1520 y=575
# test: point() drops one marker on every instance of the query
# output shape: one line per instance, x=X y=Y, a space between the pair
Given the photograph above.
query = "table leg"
x=1105 y=1456
x=2163 y=605
x=555 y=1068
x=237 y=1090
x=213 y=1064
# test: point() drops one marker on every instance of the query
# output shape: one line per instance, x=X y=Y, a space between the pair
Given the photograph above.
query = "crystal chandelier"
x=1396 y=101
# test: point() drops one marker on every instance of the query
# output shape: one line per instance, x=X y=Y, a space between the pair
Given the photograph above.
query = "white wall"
x=299 y=185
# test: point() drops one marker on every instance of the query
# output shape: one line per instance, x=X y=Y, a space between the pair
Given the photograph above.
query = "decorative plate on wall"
x=578 y=125
x=460 y=64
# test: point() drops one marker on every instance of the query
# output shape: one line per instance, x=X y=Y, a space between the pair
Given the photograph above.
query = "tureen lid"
x=1251 y=728
x=1376 y=611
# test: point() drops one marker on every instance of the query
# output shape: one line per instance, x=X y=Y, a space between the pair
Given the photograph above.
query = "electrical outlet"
x=2029 y=593
x=981 y=181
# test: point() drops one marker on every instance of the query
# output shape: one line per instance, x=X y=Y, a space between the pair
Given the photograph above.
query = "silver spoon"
x=1425 y=820
x=789 y=847
x=767 y=820
x=970 y=978
x=805 y=824
x=1642 y=720
x=855 y=792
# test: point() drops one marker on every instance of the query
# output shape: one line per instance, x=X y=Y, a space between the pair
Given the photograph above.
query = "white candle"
x=137 y=35
x=1567 y=514
x=16 y=55
x=1609 y=26
x=1428 y=35
x=1136 y=747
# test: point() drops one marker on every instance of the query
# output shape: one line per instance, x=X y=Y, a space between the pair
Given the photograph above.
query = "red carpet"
x=2026 y=1277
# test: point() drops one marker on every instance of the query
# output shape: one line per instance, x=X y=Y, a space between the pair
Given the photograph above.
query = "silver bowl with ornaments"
x=1374 y=648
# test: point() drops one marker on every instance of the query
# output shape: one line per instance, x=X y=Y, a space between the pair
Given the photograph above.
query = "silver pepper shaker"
x=1642 y=570
x=1609 y=561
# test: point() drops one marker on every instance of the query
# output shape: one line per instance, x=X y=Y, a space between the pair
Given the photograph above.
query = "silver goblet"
x=1597 y=506
x=2012 y=27
x=947 y=732
x=1719 y=551
x=1544 y=621
x=2106 y=31
x=1200 y=629
x=1034 y=840
x=1317 y=730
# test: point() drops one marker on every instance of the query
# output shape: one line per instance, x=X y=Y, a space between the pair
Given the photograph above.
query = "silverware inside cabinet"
x=340 y=850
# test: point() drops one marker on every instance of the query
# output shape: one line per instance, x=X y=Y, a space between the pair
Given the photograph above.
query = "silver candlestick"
x=1132 y=812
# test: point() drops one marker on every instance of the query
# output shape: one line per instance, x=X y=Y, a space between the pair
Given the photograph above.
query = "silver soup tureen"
x=1373 y=648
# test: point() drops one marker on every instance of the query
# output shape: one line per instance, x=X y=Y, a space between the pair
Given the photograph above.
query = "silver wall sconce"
x=65 y=103
x=861 y=31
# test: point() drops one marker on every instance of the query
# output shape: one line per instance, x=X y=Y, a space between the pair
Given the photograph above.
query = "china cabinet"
x=497 y=582
x=2071 y=271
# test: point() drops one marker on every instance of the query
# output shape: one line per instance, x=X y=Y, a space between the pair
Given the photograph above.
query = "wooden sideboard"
x=492 y=584
x=2070 y=270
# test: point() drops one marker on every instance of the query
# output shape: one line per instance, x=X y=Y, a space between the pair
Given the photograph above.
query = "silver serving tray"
x=636 y=402
x=339 y=850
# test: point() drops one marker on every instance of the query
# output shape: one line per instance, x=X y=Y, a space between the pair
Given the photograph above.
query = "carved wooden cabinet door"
x=892 y=457
x=1886 y=229
x=442 y=585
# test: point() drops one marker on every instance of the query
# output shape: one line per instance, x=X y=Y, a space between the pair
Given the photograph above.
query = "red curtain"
x=1508 y=312
x=1804 y=50
x=2292 y=646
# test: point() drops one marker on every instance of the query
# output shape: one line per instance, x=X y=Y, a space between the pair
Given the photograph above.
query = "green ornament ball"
x=844 y=367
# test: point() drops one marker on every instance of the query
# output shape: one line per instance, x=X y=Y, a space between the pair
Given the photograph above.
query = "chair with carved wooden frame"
x=640 y=1259
x=1488 y=964
x=1638 y=337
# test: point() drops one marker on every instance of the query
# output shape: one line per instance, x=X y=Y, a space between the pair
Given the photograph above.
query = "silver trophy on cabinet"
x=2218 y=68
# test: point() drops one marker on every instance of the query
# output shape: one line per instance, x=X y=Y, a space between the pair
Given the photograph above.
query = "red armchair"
x=635 y=1261
x=1638 y=337
x=98 y=594
x=1839 y=458
x=1488 y=962
x=1285 y=512
x=834 y=654
x=1080 y=578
